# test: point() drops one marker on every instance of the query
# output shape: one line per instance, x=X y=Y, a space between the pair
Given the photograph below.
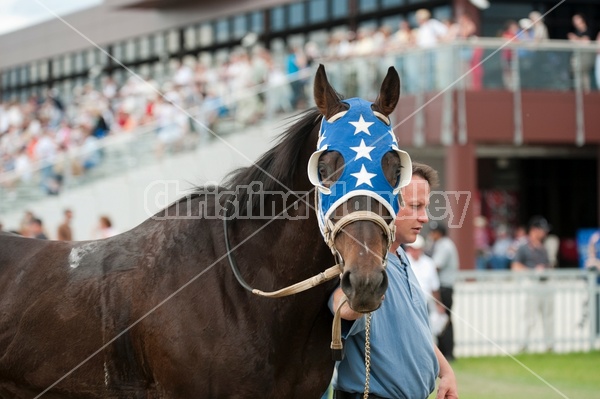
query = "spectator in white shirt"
x=426 y=272
x=540 y=31
x=430 y=31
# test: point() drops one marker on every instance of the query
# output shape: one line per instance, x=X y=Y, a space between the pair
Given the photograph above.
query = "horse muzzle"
x=365 y=293
x=362 y=251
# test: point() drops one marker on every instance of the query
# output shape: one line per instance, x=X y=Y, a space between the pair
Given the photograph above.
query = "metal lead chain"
x=367 y=355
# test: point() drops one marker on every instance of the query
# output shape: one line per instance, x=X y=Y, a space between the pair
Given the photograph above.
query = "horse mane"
x=276 y=168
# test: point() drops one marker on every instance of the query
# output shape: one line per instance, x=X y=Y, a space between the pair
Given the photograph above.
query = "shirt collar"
x=402 y=257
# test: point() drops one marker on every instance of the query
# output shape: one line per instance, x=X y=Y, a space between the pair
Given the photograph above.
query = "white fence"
x=489 y=311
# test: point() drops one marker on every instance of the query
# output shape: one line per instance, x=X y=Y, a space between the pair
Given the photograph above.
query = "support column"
x=460 y=190
x=461 y=7
x=598 y=181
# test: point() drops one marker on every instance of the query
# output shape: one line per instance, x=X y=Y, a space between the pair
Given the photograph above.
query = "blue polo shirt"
x=403 y=361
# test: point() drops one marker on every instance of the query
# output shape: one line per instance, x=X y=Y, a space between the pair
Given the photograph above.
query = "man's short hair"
x=539 y=222
x=427 y=173
x=422 y=14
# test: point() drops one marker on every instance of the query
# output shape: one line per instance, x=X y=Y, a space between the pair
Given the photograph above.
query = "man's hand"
x=440 y=308
x=447 y=388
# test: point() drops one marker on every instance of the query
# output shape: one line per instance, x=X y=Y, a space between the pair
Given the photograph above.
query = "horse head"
x=358 y=171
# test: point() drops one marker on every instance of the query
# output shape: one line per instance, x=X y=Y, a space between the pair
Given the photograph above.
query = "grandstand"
x=516 y=145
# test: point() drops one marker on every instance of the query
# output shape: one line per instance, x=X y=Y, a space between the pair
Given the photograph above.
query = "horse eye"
x=397 y=175
x=324 y=172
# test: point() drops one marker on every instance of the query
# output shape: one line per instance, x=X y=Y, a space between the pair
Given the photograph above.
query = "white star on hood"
x=363 y=177
x=362 y=151
x=361 y=126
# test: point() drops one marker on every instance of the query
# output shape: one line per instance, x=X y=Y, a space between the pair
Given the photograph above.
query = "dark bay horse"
x=156 y=312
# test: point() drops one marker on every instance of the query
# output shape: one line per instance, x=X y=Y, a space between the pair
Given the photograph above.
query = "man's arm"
x=519 y=259
x=517 y=266
x=439 y=256
x=447 y=388
x=435 y=286
x=438 y=301
x=573 y=37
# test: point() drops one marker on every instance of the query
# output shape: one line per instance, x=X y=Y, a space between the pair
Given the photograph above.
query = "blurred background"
x=116 y=108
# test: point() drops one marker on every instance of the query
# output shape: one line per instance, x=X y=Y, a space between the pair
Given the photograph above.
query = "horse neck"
x=297 y=327
x=278 y=249
x=290 y=246
x=292 y=241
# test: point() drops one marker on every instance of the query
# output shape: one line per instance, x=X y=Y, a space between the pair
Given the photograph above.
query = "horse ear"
x=389 y=93
x=326 y=98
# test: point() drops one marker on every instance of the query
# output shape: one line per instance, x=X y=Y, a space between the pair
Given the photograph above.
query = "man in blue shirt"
x=404 y=362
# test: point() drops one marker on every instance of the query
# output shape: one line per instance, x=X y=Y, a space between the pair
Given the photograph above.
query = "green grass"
x=547 y=376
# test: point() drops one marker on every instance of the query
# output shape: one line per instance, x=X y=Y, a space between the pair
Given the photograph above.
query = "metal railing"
x=479 y=64
x=120 y=152
x=474 y=64
x=490 y=311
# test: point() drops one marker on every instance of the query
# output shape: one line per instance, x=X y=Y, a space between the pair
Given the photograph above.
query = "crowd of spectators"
x=44 y=132
x=496 y=247
x=32 y=226
x=532 y=30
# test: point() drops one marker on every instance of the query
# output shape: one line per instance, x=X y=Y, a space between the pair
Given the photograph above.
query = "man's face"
x=537 y=233
x=413 y=215
x=35 y=228
x=578 y=22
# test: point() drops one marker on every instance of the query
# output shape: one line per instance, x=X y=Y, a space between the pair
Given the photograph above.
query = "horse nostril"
x=350 y=282
x=346 y=283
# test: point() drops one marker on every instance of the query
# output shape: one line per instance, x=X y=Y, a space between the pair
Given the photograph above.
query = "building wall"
x=106 y=24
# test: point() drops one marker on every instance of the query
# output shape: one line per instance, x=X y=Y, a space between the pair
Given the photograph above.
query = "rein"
x=304 y=285
x=334 y=271
x=337 y=347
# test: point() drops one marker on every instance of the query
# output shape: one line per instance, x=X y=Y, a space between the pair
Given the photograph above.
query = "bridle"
x=331 y=229
x=328 y=274
x=328 y=200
